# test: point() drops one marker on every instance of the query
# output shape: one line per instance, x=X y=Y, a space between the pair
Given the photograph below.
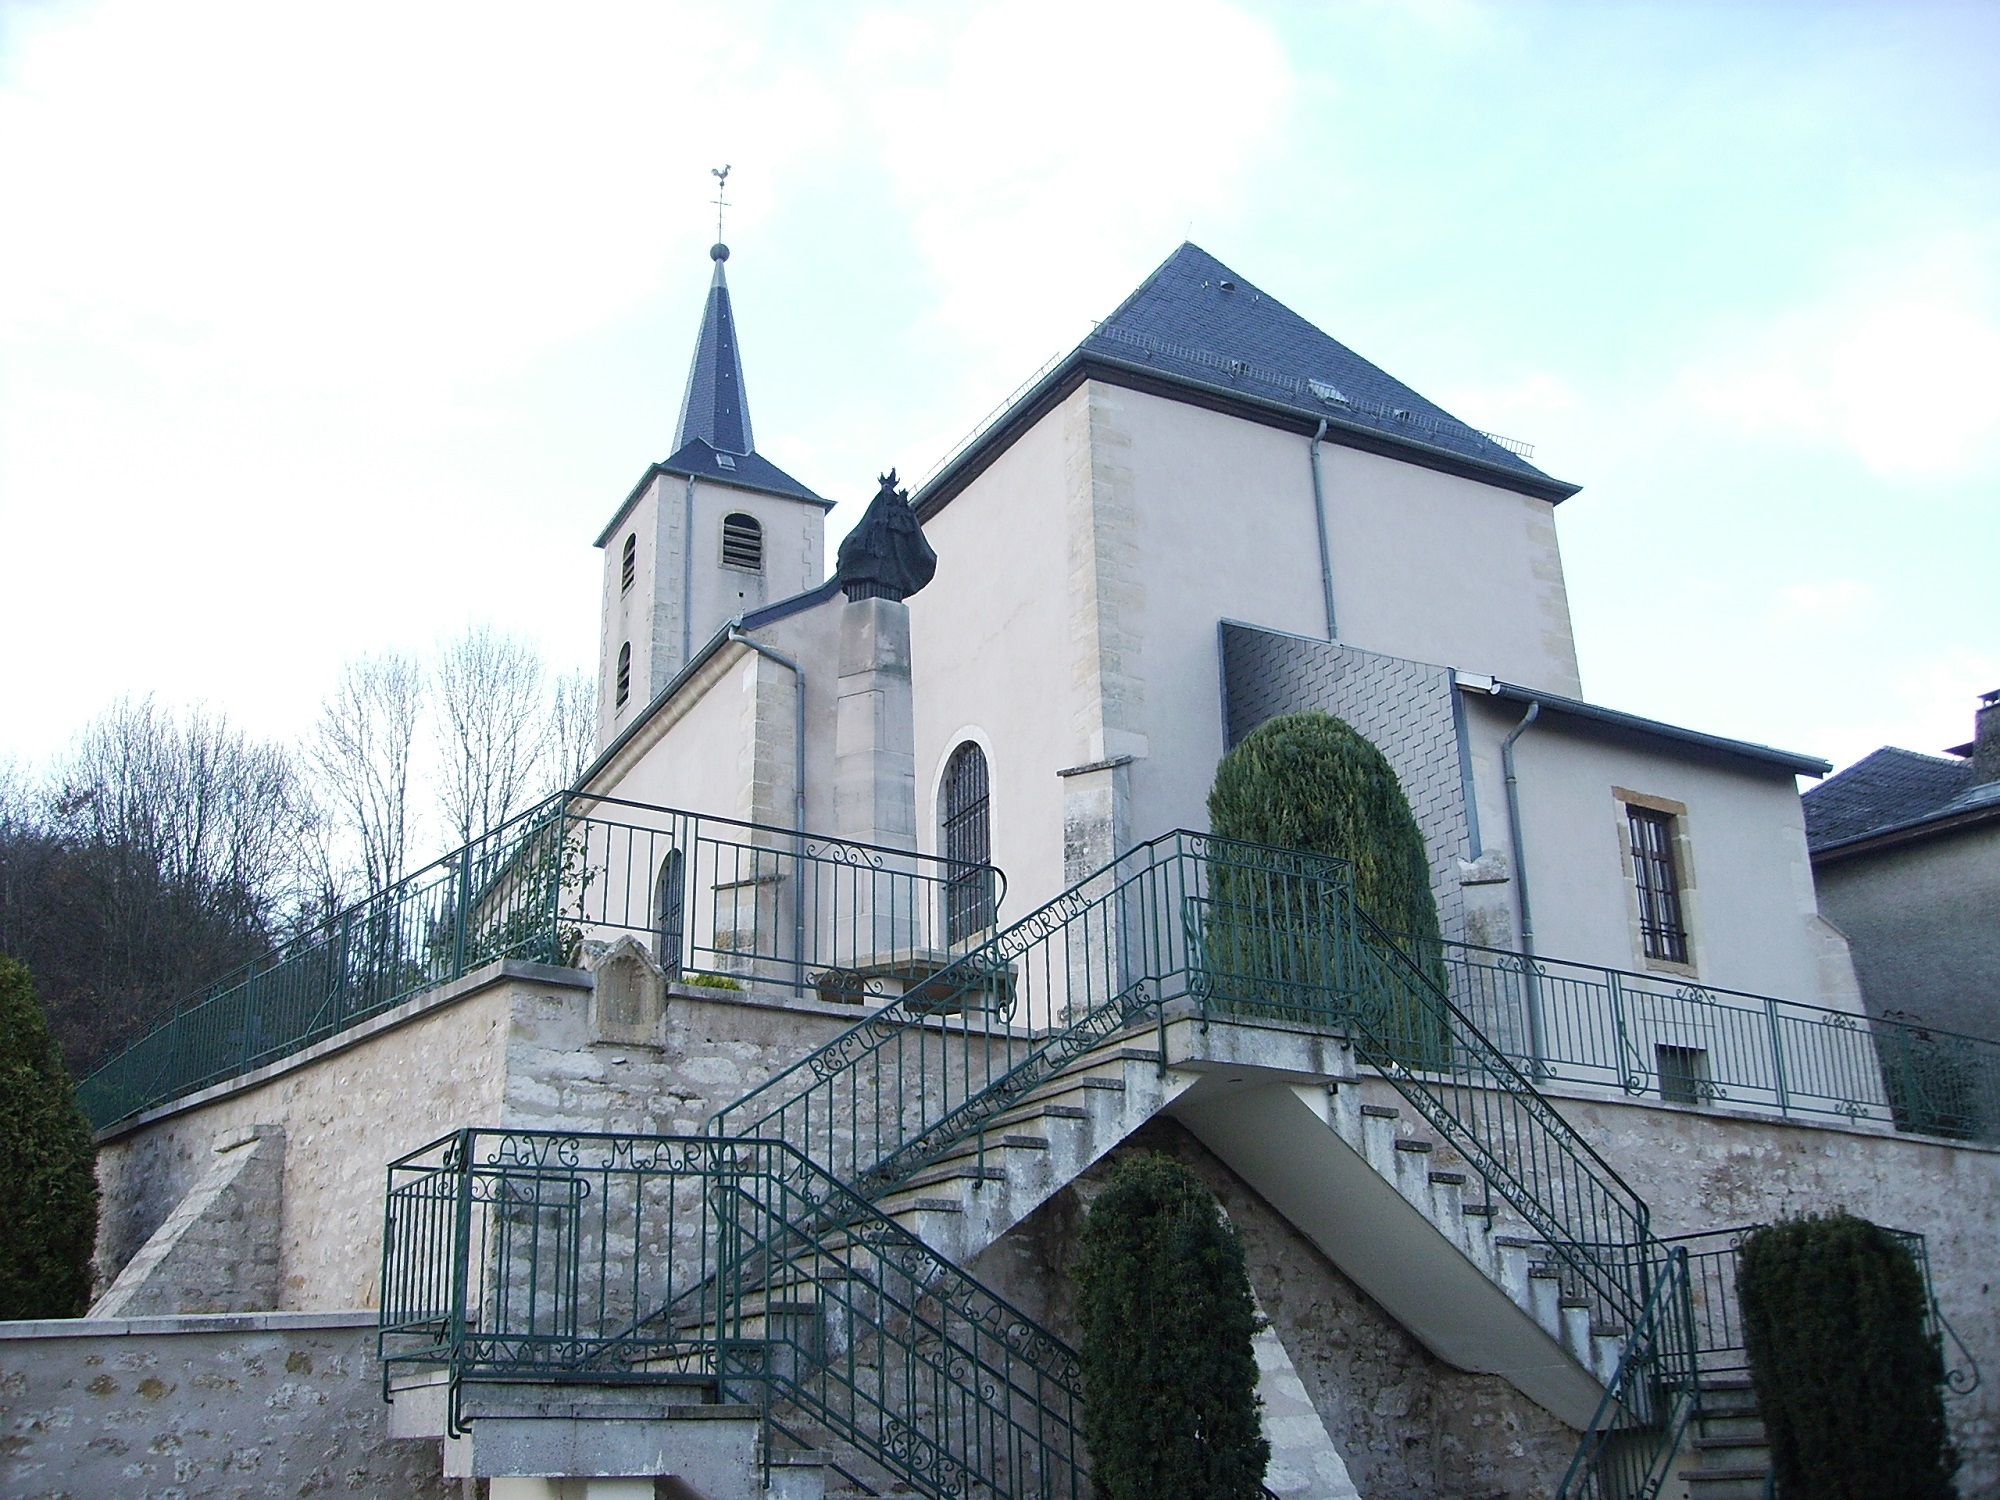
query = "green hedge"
x=1848 y=1381
x=1166 y=1318
x=48 y=1166
x=1311 y=782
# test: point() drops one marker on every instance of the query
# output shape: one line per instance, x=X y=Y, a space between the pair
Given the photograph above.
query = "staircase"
x=960 y=1109
x=1734 y=1459
x=1233 y=987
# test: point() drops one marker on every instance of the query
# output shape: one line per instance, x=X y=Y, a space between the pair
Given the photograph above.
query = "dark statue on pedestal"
x=885 y=556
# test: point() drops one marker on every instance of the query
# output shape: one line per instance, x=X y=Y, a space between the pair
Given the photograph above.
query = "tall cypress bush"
x=1847 y=1380
x=1310 y=781
x=1166 y=1318
x=48 y=1166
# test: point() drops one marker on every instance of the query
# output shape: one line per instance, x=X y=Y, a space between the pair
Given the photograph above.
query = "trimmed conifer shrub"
x=1847 y=1380
x=1166 y=1318
x=1311 y=782
x=48 y=1166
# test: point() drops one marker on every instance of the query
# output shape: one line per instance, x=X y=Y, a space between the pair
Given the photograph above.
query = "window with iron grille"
x=628 y=568
x=1683 y=1074
x=1662 y=928
x=624 y=673
x=742 y=543
x=968 y=841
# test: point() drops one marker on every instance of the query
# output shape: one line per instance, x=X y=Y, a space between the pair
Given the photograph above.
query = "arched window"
x=670 y=912
x=628 y=567
x=968 y=842
x=624 y=673
x=742 y=543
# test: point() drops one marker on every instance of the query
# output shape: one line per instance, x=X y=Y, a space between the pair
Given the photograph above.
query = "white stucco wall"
x=1750 y=911
x=1082 y=576
x=992 y=651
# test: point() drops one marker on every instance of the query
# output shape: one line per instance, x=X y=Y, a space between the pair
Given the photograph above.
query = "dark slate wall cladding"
x=1404 y=707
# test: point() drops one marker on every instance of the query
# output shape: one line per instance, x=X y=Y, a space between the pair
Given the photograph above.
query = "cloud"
x=1041 y=149
x=1900 y=366
x=1837 y=601
x=367 y=195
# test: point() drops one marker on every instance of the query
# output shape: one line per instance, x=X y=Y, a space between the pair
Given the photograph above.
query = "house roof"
x=1195 y=330
x=1894 y=792
x=1616 y=724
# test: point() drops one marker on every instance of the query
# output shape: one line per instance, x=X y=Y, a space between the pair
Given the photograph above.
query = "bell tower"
x=708 y=534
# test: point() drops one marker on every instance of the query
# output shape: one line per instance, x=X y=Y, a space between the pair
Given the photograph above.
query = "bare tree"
x=573 y=729
x=159 y=854
x=493 y=727
x=363 y=749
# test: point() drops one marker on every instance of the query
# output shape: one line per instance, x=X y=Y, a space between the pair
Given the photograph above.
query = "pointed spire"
x=715 y=408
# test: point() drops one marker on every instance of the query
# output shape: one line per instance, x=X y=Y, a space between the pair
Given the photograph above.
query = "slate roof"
x=715 y=408
x=714 y=441
x=1196 y=318
x=1889 y=790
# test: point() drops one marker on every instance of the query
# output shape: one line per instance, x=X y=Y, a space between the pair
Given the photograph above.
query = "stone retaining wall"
x=212 y=1408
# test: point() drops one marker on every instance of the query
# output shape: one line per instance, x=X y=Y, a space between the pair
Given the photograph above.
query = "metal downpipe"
x=1518 y=847
x=798 y=796
x=1319 y=520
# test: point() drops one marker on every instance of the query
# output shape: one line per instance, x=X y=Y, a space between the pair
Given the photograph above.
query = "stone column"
x=875 y=784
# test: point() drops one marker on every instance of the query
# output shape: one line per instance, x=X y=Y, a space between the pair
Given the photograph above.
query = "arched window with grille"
x=670 y=912
x=624 y=674
x=628 y=564
x=742 y=543
x=966 y=815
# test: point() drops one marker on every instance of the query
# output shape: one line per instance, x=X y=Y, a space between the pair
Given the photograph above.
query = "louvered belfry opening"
x=742 y=542
x=968 y=841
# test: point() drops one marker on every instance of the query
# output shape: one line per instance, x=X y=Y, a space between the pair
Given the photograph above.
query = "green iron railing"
x=1239 y=930
x=1712 y=1260
x=1691 y=1331
x=1628 y=1450
x=713 y=900
x=1666 y=1037
x=514 y=1258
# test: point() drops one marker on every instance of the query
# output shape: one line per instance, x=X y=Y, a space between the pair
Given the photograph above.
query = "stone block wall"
x=215 y=1408
x=1407 y=1425
x=517 y=1045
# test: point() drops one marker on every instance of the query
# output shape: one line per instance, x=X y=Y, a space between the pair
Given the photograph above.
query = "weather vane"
x=721 y=176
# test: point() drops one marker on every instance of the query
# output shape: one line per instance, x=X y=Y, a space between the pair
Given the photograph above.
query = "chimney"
x=1986 y=739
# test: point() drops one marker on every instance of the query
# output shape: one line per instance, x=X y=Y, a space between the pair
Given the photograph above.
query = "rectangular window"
x=1683 y=1074
x=1661 y=925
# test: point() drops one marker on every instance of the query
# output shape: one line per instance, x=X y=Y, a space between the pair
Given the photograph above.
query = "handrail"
x=901 y=1087
x=1677 y=1038
x=525 y=1256
x=731 y=901
x=1331 y=964
x=1630 y=1442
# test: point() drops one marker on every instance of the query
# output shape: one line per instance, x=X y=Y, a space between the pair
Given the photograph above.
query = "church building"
x=724 y=1126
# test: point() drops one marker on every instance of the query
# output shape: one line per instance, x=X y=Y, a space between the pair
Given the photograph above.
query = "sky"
x=329 y=329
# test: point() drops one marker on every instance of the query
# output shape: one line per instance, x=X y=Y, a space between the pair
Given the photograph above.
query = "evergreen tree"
x=1166 y=1318
x=1310 y=782
x=48 y=1166
x=1847 y=1379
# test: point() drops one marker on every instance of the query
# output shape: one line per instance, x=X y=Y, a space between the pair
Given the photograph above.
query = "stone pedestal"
x=874 y=784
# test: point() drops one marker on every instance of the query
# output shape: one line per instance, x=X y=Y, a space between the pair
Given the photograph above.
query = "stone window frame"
x=1684 y=876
